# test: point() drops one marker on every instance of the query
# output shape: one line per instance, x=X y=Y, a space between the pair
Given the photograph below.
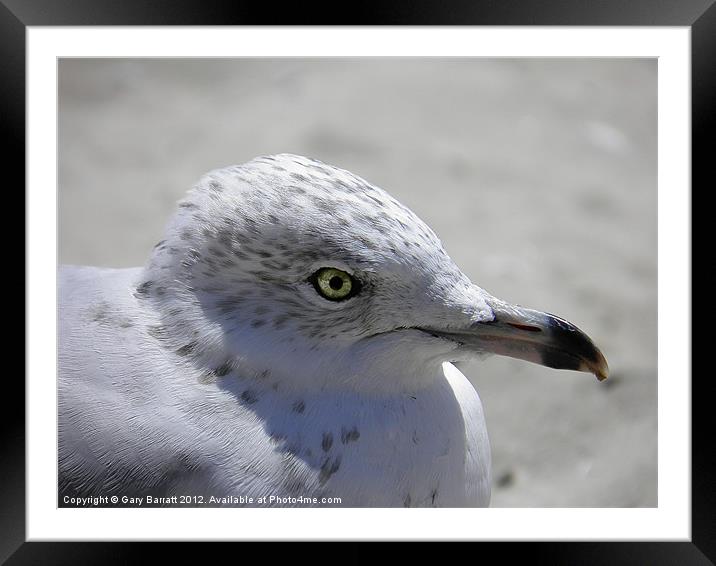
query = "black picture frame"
x=699 y=15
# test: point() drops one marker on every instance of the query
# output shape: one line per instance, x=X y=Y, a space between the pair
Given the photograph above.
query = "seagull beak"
x=536 y=337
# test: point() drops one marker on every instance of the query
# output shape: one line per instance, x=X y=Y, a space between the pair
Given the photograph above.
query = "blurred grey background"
x=539 y=175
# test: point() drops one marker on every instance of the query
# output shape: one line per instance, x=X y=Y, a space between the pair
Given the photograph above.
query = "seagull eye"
x=334 y=284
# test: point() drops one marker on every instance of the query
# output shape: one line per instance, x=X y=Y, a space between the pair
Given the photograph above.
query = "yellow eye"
x=334 y=284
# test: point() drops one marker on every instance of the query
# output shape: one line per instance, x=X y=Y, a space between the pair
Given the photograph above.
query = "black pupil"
x=336 y=282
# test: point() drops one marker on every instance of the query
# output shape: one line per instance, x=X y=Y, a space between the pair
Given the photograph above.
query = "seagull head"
x=305 y=274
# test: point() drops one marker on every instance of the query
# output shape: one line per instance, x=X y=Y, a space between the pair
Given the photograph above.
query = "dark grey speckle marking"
x=207 y=377
x=349 y=435
x=277 y=437
x=186 y=349
x=158 y=331
x=298 y=407
x=249 y=397
x=327 y=441
x=329 y=467
x=223 y=369
x=143 y=289
x=102 y=314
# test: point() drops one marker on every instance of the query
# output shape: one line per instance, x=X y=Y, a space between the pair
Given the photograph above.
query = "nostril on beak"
x=526 y=327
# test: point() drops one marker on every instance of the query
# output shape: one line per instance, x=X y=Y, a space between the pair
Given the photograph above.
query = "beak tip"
x=600 y=369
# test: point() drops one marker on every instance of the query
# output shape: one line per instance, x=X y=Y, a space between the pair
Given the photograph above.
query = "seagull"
x=291 y=341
